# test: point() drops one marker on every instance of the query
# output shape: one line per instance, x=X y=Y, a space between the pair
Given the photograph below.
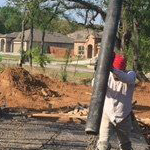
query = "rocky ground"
x=18 y=132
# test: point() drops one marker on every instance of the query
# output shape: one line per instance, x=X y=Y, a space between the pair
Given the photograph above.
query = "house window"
x=98 y=45
x=81 y=50
x=2 y=45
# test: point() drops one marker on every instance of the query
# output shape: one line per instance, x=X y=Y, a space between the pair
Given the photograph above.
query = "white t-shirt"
x=118 y=100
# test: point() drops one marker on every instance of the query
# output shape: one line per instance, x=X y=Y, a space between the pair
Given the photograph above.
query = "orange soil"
x=18 y=88
x=142 y=96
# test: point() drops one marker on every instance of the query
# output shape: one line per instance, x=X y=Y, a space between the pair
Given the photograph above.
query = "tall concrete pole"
x=103 y=67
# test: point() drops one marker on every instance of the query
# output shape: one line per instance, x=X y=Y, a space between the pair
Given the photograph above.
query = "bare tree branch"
x=81 y=4
x=91 y=26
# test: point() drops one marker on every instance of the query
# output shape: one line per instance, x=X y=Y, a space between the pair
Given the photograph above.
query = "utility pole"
x=103 y=67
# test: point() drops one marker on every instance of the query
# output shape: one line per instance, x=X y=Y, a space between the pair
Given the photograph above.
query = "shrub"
x=42 y=60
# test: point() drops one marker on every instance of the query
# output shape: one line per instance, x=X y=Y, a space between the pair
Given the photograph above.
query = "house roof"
x=9 y=35
x=49 y=37
x=82 y=35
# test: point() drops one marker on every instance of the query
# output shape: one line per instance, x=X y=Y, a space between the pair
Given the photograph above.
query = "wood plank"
x=63 y=115
x=145 y=121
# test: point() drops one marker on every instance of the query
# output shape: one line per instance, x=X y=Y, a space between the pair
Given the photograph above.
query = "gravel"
x=18 y=132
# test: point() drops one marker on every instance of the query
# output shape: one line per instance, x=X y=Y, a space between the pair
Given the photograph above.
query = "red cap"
x=120 y=62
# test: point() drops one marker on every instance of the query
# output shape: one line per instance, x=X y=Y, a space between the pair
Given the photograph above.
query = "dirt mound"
x=22 y=80
x=21 y=89
x=143 y=86
x=142 y=96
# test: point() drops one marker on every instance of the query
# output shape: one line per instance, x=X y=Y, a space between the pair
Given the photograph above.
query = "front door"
x=89 y=51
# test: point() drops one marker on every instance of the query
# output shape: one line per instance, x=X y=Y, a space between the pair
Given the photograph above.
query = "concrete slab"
x=20 y=133
x=137 y=139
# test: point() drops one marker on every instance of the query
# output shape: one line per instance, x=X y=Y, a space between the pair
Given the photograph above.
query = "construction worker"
x=118 y=106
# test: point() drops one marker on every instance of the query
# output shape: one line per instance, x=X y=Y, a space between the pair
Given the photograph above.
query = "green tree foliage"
x=10 y=19
x=41 y=60
x=65 y=27
x=142 y=14
x=136 y=14
x=2 y=28
x=1 y=58
x=45 y=19
x=145 y=53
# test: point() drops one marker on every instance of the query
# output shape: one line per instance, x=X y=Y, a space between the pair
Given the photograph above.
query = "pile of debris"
x=79 y=110
x=18 y=88
x=77 y=114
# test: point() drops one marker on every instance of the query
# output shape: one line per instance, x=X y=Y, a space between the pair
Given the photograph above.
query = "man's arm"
x=126 y=77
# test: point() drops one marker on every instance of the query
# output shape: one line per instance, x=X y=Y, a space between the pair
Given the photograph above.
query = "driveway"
x=55 y=65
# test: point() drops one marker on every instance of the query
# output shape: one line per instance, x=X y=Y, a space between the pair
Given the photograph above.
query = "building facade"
x=11 y=43
x=6 y=42
x=86 y=43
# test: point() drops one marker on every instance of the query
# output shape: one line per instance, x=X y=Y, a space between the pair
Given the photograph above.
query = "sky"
x=98 y=20
x=2 y=2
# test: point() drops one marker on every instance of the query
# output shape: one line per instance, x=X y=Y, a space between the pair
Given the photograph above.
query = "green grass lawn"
x=10 y=57
x=78 y=77
x=51 y=57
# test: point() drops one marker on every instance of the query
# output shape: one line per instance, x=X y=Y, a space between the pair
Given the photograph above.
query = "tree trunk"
x=42 y=43
x=22 y=58
x=137 y=66
x=136 y=49
x=64 y=71
x=31 y=43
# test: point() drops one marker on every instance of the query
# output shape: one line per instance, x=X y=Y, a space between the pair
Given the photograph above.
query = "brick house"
x=86 y=42
x=6 y=42
x=55 y=43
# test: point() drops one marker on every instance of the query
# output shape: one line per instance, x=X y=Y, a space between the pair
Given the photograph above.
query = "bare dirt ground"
x=142 y=96
x=20 y=89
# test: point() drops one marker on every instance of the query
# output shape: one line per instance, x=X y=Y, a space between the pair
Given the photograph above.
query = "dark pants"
x=122 y=129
